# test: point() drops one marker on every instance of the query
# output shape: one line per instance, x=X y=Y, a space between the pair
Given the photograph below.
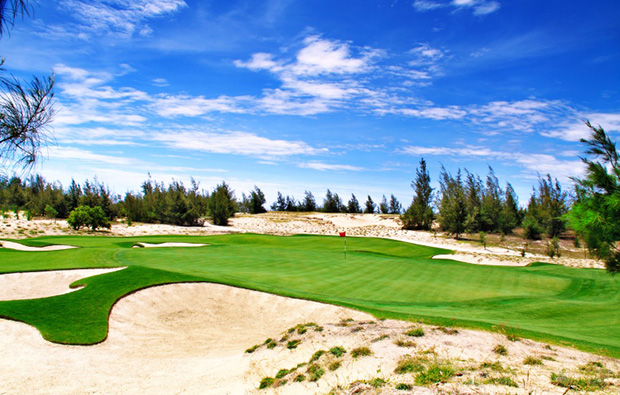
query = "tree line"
x=333 y=203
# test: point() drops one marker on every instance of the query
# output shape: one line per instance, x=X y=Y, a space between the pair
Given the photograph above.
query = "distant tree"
x=353 y=206
x=73 y=196
x=256 y=201
x=491 y=204
x=548 y=206
x=291 y=204
x=452 y=205
x=509 y=214
x=474 y=190
x=97 y=218
x=420 y=214
x=279 y=204
x=369 y=206
x=395 y=207
x=383 y=206
x=50 y=212
x=308 y=204
x=221 y=204
x=332 y=203
x=79 y=217
x=595 y=215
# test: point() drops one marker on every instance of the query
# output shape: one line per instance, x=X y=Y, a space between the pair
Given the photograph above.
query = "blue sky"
x=309 y=95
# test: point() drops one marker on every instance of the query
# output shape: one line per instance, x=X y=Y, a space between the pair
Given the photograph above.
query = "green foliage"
x=332 y=203
x=415 y=332
x=337 y=351
x=404 y=387
x=452 y=205
x=594 y=215
x=548 y=206
x=435 y=373
x=530 y=360
x=420 y=213
x=502 y=380
x=500 y=350
x=257 y=200
x=383 y=206
x=334 y=366
x=408 y=365
x=93 y=217
x=377 y=382
x=531 y=228
x=309 y=203
x=369 y=206
x=291 y=345
x=266 y=382
x=50 y=212
x=353 y=206
x=578 y=383
x=316 y=356
x=553 y=248
x=299 y=378
x=361 y=352
x=252 y=349
x=315 y=371
x=221 y=204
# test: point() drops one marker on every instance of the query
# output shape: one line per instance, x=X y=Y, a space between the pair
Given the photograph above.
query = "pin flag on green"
x=344 y=234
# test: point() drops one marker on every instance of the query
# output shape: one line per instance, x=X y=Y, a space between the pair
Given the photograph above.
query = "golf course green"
x=391 y=279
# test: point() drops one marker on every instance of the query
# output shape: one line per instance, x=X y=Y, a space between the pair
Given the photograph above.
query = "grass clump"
x=266 y=382
x=578 y=383
x=447 y=331
x=403 y=387
x=404 y=343
x=315 y=357
x=282 y=372
x=377 y=382
x=534 y=361
x=500 y=350
x=378 y=339
x=299 y=378
x=502 y=380
x=361 y=352
x=408 y=365
x=596 y=368
x=415 y=332
x=435 y=373
x=495 y=366
x=337 y=351
x=252 y=349
x=334 y=366
x=315 y=371
x=291 y=345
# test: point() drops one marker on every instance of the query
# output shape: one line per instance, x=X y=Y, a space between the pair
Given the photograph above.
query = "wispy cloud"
x=328 y=167
x=478 y=7
x=121 y=18
x=236 y=143
x=576 y=130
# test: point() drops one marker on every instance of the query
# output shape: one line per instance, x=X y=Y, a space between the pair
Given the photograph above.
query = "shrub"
x=299 y=378
x=315 y=372
x=79 y=217
x=415 y=332
x=98 y=219
x=503 y=380
x=532 y=361
x=434 y=374
x=251 y=349
x=334 y=365
x=266 y=382
x=337 y=351
x=293 y=344
x=282 y=372
x=531 y=229
x=500 y=350
x=361 y=352
x=377 y=382
x=317 y=355
x=50 y=212
x=553 y=248
x=403 y=387
x=408 y=365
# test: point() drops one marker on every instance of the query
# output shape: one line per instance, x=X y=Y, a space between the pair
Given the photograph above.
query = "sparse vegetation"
x=408 y=364
x=434 y=373
x=502 y=380
x=500 y=350
x=578 y=383
x=530 y=360
x=403 y=387
x=415 y=332
x=315 y=372
x=361 y=352
x=337 y=351
x=291 y=345
x=266 y=382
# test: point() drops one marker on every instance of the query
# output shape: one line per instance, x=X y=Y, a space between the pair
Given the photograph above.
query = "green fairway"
x=579 y=307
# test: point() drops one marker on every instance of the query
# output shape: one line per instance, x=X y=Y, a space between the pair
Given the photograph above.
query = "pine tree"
x=383 y=206
x=420 y=214
x=452 y=206
x=370 y=206
x=353 y=206
x=308 y=204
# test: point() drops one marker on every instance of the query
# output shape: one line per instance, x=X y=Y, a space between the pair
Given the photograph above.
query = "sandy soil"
x=191 y=338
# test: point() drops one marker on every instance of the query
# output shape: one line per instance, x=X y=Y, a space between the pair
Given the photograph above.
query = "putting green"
x=578 y=307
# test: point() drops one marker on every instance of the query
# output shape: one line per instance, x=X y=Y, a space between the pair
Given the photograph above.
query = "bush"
x=337 y=351
x=94 y=217
x=266 y=382
x=50 y=212
x=531 y=229
x=500 y=350
x=415 y=332
x=315 y=372
x=293 y=344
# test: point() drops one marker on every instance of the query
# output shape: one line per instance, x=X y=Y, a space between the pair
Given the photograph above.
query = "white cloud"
x=161 y=82
x=236 y=143
x=321 y=56
x=260 y=61
x=486 y=8
x=479 y=7
x=426 y=5
x=121 y=18
x=437 y=113
x=193 y=106
x=576 y=130
x=328 y=167
x=71 y=153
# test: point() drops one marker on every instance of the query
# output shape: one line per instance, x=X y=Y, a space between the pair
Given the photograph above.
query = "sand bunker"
x=481 y=259
x=149 y=245
x=33 y=285
x=180 y=338
x=20 y=247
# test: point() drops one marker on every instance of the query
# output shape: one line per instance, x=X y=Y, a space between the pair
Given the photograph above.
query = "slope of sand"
x=191 y=338
x=33 y=285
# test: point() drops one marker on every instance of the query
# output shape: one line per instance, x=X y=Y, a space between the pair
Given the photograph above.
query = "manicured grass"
x=579 y=307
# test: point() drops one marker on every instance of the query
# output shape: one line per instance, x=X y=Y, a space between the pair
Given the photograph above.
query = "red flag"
x=342 y=234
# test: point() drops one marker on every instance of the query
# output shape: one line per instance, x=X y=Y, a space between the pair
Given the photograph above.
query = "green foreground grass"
x=577 y=307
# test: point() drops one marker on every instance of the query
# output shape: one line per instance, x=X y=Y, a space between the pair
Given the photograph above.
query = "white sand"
x=20 y=247
x=33 y=285
x=479 y=260
x=149 y=245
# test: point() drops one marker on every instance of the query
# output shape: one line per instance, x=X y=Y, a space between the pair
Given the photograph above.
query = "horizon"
x=292 y=96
